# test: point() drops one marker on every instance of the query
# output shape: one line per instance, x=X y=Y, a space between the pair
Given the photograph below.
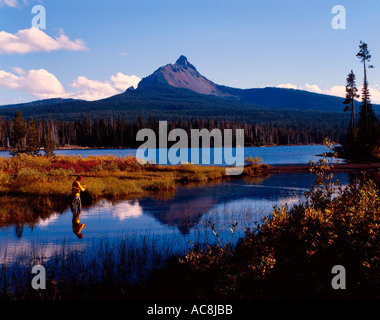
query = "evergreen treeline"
x=362 y=142
x=28 y=136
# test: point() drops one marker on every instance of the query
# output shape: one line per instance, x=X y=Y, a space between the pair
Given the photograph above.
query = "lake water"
x=272 y=155
x=176 y=217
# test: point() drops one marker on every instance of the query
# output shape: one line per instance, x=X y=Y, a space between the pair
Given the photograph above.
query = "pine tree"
x=32 y=144
x=368 y=123
x=350 y=147
x=19 y=132
x=48 y=145
x=351 y=95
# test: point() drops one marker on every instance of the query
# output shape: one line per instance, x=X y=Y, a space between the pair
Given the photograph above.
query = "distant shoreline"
x=340 y=167
x=129 y=148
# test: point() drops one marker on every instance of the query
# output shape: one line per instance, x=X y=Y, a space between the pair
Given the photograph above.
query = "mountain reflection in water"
x=186 y=213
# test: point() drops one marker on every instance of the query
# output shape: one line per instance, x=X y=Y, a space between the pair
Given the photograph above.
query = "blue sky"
x=93 y=49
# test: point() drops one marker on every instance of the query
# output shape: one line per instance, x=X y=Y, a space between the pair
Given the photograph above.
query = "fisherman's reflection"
x=77 y=226
x=76 y=207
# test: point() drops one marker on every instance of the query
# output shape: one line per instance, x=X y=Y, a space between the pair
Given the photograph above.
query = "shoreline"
x=132 y=148
x=340 y=167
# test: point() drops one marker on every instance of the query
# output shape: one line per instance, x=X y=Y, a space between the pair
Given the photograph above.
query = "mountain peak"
x=182 y=74
x=183 y=62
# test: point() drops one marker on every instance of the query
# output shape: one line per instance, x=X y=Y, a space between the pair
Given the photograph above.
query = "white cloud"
x=18 y=70
x=44 y=85
x=375 y=95
x=34 y=40
x=287 y=86
x=93 y=90
x=39 y=83
x=8 y=80
x=313 y=88
x=339 y=91
x=123 y=82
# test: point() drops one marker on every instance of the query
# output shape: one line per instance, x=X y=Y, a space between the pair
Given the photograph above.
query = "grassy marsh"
x=105 y=176
x=288 y=254
x=30 y=186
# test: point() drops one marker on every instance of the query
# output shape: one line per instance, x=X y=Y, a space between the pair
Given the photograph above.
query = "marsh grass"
x=111 y=177
x=76 y=270
x=105 y=176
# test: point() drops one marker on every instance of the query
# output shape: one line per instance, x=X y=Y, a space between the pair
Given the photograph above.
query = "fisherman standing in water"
x=76 y=207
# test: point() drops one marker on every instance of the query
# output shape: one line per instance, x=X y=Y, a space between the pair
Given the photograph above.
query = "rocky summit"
x=182 y=74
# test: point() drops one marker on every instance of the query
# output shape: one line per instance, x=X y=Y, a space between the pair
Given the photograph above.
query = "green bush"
x=61 y=173
x=26 y=175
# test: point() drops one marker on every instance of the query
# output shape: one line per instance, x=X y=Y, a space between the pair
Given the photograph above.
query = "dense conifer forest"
x=19 y=133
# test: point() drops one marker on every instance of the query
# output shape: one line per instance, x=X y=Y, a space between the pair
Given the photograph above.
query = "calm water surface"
x=177 y=217
x=271 y=155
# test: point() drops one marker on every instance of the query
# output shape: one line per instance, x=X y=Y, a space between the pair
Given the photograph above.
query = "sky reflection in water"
x=183 y=216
